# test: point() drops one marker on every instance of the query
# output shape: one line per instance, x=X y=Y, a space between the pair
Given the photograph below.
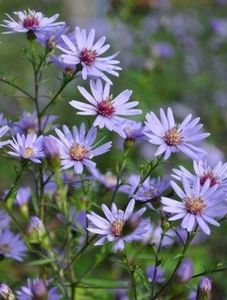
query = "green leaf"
x=40 y=262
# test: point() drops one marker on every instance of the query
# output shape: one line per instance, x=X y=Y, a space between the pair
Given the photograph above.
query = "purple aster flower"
x=162 y=50
x=185 y=271
x=76 y=148
x=106 y=109
x=11 y=245
x=109 y=180
x=23 y=196
x=172 y=137
x=37 y=289
x=133 y=130
x=29 y=147
x=119 y=226
x=6 y=293
x=87 y=53
x=200 y=204
x=30 y=20
x=4 y=220
x=29 y=123
x=155 y=274
x=67 y=68
x=216 y=175
x=150 y=189
x=3 y=131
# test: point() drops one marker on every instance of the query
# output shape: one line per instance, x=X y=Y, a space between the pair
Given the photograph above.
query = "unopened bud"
x=36 y=230
x=6 y=293
x=204 y=289
x=185 y=270
x=52 y=152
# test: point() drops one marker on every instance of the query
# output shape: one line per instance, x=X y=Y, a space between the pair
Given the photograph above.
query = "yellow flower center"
x=195 y=205
x=116 y=227
x=28 y=152
x=78 y=152
x=173 y=137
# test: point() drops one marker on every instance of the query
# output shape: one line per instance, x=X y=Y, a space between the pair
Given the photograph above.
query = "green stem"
x=131 y=270
x=16 y=87
x=207 y=272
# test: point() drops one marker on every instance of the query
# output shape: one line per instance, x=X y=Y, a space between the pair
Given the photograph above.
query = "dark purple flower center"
x=106 y=108
x=173 y=137
x=209 y=175
x=4 y=248
x=116 y=227
x=88 y=56
x=30 y=21
x=194 y=205
x=78 y=152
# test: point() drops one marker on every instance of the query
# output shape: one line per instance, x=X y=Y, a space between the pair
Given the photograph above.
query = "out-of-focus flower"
x=119 y=226
x=201 y=204
x=3 y=131
x=155 y=274
x=30 y=20
x=87 y=53
x=106 y=109
x=150 y=189
x=109 y=180
x=6 y=293
x=51 y=151
x=204 y=288
x=216 y=175
x=76 y=219
x=37 y=289
x=28 y=147
x=154 y=236
x=185 y=270
x=162 y=50
x=219 y=26
x=76 y=148
x=134 y=133
x=172 y=137
x=23 y=196
x=11 y=245
x=4 y=220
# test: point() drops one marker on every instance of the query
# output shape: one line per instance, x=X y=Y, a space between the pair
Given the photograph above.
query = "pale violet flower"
x=171 y=137
x=105 y=108
x=82 y=49
x=119 y=226
x=3 y=131
x=76 y=148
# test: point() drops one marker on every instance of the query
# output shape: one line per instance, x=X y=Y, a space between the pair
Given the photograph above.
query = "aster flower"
x=172 y=137
x=28 y=147
x=30 y=20
x=11 y=245
x=119 y=226
x=106 y=109
x=3 y=131
x=83 y=50
x=6 y=292
x=37 y=289
x=200 y=205
x=133 y=131
x=4 y=220
x=77 y=149
x=216 y=175
x=23 y=196
x=150 y=189
x=155 y=274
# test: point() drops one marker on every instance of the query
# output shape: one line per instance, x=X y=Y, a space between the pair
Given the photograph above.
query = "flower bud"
x=204 y=289
x=52 y=152
x=6 y=293
x=36 y=230
x=155 y=274
x=185 y=270
x=40 y=290
x=22 y=198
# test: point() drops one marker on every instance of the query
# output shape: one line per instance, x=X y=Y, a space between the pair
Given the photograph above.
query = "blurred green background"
x=172 y=53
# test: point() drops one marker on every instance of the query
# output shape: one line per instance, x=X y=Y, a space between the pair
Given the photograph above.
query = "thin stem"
x=131 y=270
x=207 y=272
x=16 y=87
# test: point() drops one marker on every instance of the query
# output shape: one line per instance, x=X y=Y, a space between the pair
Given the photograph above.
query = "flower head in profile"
x=172 y=137
x=37 y=289
x=82 y=49
x=76 y=148
x=216 y=175
x=108 y=110
x=119 y=226
x=11 y=245
x=200 y=204
x=27 y=147
x=3 y=131
x=30 y=20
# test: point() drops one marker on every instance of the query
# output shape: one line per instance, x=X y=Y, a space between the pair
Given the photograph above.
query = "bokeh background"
x=172 y=53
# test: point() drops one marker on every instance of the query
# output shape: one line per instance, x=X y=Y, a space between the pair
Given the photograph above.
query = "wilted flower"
x=155 y=274
x=119 y=226
x=76 y=148
x=87 y=53
x=106 y=109
x=185 y=270
x=3 y=131
x=37 y=289
x=6 y=293
x=11 y=245
x=30 y=20
x=172 y=137
x=28 y=147
x=201 y=204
